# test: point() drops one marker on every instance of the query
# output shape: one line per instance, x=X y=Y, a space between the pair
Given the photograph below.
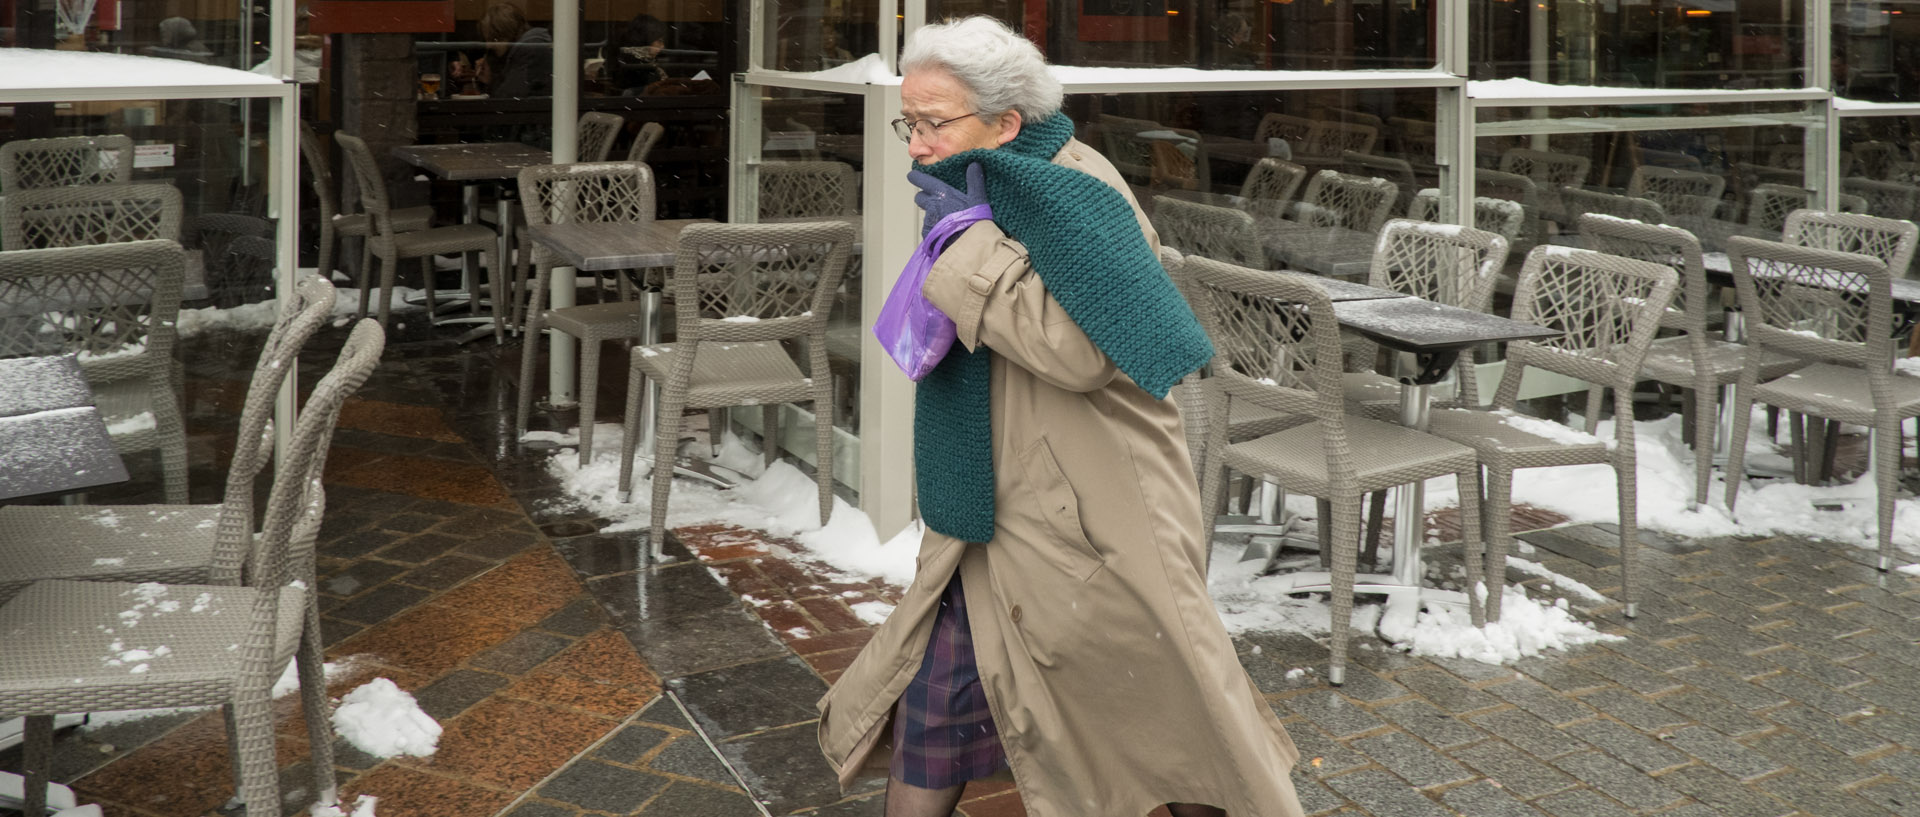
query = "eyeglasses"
x=927 y=129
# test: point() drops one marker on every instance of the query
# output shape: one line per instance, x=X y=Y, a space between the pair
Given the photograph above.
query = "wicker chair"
x=59 y=632
x=1609 y=309
x=198 y=544
x=1445 y=263
x=810 y=189
x=597 y=131
x=1833 y=310
x=741 y=291
x=588 y=193
x=214 y=234
x=1515 y=188
x=1550 y=172
x=1271 y=185
x=336 y=224
x=1889 y=240
x=115 y=306
x=391 y=245
x=1576 y=202
x=644 y=141
x=1697 y=361
x=1769 y=204
x=93 y=214
x=1210 y=231
x=1336 y=199
x=1876 y=160
x=29 y=164
x=1690 y=198
x=1398 y=171
x=1896 y=200
x=1278 y=347
x=1502 y=217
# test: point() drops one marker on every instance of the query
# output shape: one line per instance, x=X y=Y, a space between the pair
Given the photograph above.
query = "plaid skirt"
x=943 y=733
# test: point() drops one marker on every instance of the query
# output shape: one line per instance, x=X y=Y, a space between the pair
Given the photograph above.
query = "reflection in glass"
x=1649 y=43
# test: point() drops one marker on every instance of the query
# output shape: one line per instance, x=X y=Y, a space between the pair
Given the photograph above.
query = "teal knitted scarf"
x=1084 y=242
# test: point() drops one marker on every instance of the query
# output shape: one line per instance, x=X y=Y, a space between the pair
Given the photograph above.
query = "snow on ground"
x=362 y=807
x=382 y=720
x=260 y=316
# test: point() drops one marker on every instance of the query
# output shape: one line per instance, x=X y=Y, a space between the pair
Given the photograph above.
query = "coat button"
x=1015 y=614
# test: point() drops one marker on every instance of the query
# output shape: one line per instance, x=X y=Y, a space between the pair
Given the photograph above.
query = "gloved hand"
x=940 y=199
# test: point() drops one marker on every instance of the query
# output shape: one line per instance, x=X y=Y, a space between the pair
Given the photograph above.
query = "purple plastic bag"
x=915 y=333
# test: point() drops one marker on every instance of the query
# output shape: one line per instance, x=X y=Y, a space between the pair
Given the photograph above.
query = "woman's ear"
x=1009 y=127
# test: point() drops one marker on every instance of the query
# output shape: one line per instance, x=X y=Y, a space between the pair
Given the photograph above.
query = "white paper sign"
x=153 y=156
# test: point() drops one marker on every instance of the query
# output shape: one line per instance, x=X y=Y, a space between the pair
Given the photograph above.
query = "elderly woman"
x=1058 y=627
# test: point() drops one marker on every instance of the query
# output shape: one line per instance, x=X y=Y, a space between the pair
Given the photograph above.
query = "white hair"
x=1002 y=69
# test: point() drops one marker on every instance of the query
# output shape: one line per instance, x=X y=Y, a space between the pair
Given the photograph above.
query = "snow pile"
x=384 y=721
x=260 y=316
x=872 y=612
x=1526 y=627
x=362 y=807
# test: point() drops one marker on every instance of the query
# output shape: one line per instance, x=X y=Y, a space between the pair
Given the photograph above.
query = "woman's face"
x=933 y=95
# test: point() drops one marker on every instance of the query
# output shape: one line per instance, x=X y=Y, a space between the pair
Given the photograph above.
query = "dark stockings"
x=908 y=800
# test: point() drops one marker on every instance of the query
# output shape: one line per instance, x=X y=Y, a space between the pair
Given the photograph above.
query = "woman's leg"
x=907 y=800
x=1183 y=810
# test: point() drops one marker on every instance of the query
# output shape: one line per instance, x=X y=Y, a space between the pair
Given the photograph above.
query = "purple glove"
x=940 y=199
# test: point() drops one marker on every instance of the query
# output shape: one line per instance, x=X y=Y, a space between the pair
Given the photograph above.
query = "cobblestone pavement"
x=1761 y=679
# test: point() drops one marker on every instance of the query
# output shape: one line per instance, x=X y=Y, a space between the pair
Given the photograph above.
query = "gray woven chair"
x=1887 y=239
x=1897 y=200
x=72 y=647
x=808 y=189
x=1876 y=160
x=1515 y=188
x=1609 y=309
x=1219 y=233
x=1282 y=353
x=1833 y=310
x=115 y=306
x=337 y=220
x=1769 y=204
x=391 y=245
x=592 y=193
x=1445 y=263
x=1576 y=202
x=1398 y=171
x=597 y=131
x=1335 y=199
x=1700 y=362
x=199 y=544
x=91 y=214
x=644 y=141
x=1501 y=217
x=1689 y=198
x=1271 y=185
x=740 y=291
x=1550 y=172
x=1247 y=420
x=28 y=164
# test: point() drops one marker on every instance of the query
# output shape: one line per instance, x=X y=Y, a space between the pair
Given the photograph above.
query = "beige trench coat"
x=1111 y=680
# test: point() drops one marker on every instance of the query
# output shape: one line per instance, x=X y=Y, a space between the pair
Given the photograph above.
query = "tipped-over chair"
x=742 y=292
x=1833 y=310
x=388 y=243
x=73 y=647
x=199 y=544
x=115 y=306
x=1608 y=309
x=1277 y=346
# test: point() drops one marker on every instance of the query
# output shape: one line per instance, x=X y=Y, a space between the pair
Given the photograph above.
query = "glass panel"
x=204 y=32
x=1678 y=165
x=1875 y=53
x=1876 y=165
x=1648 y=43
x=1280 y=35
x=814 y=35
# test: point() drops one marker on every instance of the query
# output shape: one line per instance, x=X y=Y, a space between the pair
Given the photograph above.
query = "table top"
x=1339 y=291
x=1325 y=250
x=473 y=161
x=52 y=439
x=614 y=245
x=1420 y=325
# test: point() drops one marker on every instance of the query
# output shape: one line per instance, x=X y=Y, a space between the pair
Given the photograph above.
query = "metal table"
x=474 y=164
x=1435 y=334
x=52 y=439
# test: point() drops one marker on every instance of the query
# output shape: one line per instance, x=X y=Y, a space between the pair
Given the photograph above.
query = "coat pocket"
x=1057 y=504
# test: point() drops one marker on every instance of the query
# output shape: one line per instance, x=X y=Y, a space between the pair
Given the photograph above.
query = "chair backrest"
x=1608 y=309
x=1394 y=170
x=299 y=317
x=1815 y=304
x=1276 y=342
x=113 y=305
x=1498 y=216
x=371 y=184
x=30 y=164
x=1504 y=185
x=1335 y=199
x=1678 y=192
x=1887 y=239
x=1671 y=159
x=808 y=189
x=1331 y=138
x=1417 y=140
x=1578 y=202
x=1294 y=129
x=319 y=172
x=1658 y=244
x=1270 y=186
x=1876 y=160
x=596 y=134
x=744 y=283
x=644 y=141
x=1220 y=233
x=1447 y=263
x=94 y=214
x=1547 y=169
x=587 y=193
x=1884 y=199
x=1794 y=156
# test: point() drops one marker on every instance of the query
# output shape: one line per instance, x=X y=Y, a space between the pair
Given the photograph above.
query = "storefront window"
x=1718 y=44
x=1876 y=51
x=204 y=33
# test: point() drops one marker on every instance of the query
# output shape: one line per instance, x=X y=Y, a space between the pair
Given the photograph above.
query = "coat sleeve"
x=985 y=283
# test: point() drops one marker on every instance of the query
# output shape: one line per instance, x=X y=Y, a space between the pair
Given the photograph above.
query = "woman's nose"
x=920 y=151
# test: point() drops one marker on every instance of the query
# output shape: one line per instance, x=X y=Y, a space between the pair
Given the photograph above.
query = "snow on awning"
x=40 y=70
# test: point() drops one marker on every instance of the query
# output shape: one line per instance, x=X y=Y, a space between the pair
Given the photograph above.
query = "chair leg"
x=770 y=432
x=673 y=403
x=427 y=275
x=318 y=709
x=1497 y=512
x=1346 y=536
x=1706 y=428
x=37 y=761
x=364 y=275
x=259 y=771
x=1473 y=543
x=1376 y=520
x=1886 y=478
x=500 y=289
x=173 y=450
x=822 y=442
x=529 y=350
x=327 y=239
x=1629 y=530
x=1737 y=444
x=1828 y=448
x=589 y=388
x=630 y=429
x=1323 y=531
x=1797 y=434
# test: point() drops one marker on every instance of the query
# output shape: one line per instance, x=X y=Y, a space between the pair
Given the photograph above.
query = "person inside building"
x=1058 y=628
x=633 y=57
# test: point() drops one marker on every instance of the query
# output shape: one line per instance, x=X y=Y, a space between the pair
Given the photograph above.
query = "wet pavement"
x=1762 y=678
